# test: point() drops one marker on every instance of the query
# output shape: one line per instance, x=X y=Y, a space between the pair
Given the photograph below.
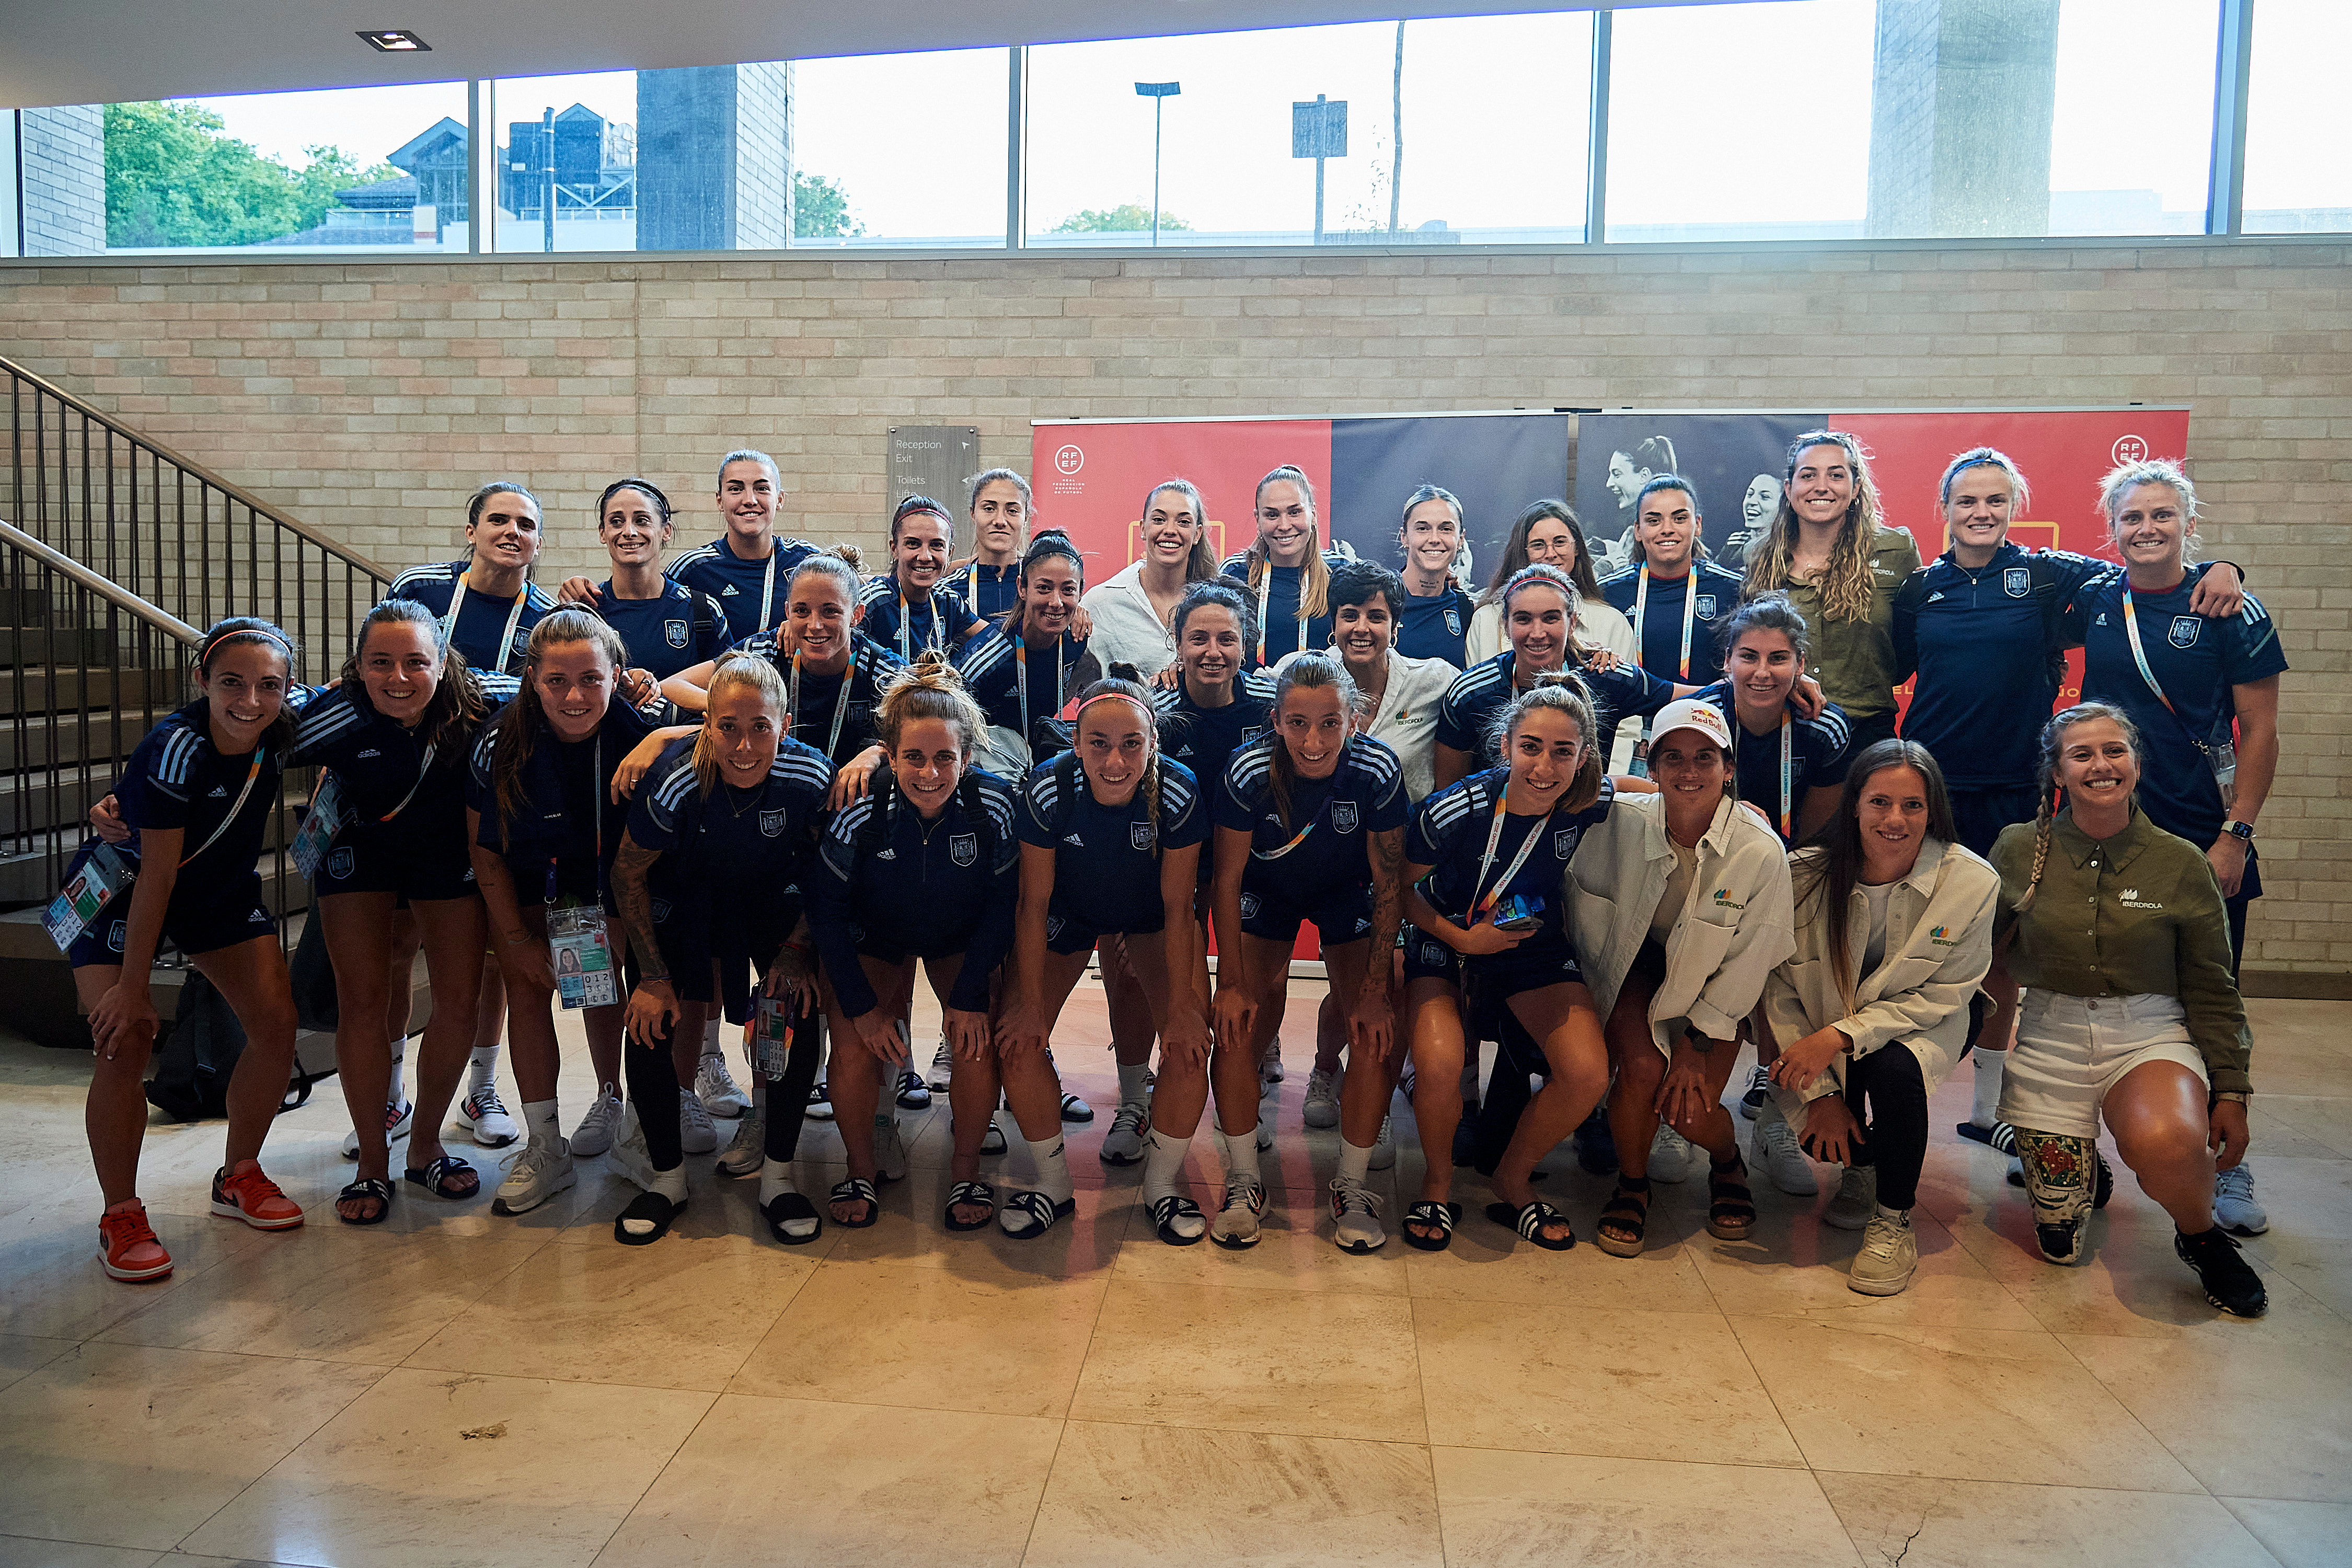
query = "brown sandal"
x=1730 y=1206
x=1628 y=1215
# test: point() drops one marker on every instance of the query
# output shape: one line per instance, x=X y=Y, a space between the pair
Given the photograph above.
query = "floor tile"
x=2325 y=1120
x=434 y=1467
x=53 y=1287
x=1254 y=1360
x=1961 y=1404
x=22 y=1354
x=683 y=1313
x=1294 y=1252
x=1133 y=1497
x=132 y=1445
x=1534 y=1511
x=1659 y=1385
x=1806 y=1277
x=23 y=1552
x=1963 y=1524
x=782 y=1483
x=2299 y=1534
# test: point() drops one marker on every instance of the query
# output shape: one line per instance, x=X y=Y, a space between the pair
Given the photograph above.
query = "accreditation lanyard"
x=1788 y=812
x=1265 y=588
x=260 y=756
x=423 y=766
x=930 y=642
x=1481 y=903
x=1021 y=677
x=840 y=700
x=971 y=583
x=506 y=638
x=597 y=811
x=1300 y=837
x=2140 y=654
x=1641 y=611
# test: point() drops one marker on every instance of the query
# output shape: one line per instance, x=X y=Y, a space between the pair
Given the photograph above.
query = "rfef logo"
x=2129 y=450
x=1068 y=460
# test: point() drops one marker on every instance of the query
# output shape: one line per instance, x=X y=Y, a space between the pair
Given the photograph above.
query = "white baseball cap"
x=1690 y=713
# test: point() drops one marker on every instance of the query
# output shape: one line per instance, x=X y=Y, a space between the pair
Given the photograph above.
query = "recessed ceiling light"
x=397 y=40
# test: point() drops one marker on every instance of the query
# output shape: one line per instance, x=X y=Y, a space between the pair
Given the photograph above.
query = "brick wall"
x=372 y=398
x=63 y=169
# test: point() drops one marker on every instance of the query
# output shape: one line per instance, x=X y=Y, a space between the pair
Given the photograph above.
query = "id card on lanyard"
x=2222 y=759
x=771 y=1036
x=80 y=902
x=931 y=641
x=506 y=638
x=328 y=814
x=577 y=942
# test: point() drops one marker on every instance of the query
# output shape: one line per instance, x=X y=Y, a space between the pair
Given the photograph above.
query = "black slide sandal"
x=965 y=1194
x=374 y=1187
x=857 y=1190
x=786 y=1208
x=1166 y=1211
x=1529 y=1221
x=645 y=1208
x=435 y=1178
x=1039 y=1208
x=1426 y=1213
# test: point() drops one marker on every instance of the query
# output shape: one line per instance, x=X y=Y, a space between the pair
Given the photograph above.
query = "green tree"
x=1127 y=217
x=820 y=209
x=173 y=178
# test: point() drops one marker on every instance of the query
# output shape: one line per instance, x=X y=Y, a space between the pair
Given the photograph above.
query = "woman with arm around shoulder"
x=2131 y=1017
x=1134 y=610
x=1284 y=569
x=1679 y=903
x=1894 y=936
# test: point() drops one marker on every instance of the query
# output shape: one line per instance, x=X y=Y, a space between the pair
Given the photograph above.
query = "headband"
x=1142 y=706
x=213 y=642
x=934 y=510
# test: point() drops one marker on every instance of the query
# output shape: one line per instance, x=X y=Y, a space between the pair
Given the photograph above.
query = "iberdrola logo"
x=1724 y=899
x=1941 y=937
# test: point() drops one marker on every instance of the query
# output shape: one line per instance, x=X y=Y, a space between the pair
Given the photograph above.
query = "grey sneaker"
x=1383 y=1148
x=1856 y=1199
x=748 y=1152
x=2235 y=1207
x=889 y=1153
x=1236 y=1225
x=1889 y=1256
x=1322 y=1099
x=1355 y=1216
x=697 y=1133
x=1776 y=1153
x=942 y=1067
x=1123 y=1146
x=542 y=1171
x=1671 y=1155
x=715 y=1087
x=595 y=1133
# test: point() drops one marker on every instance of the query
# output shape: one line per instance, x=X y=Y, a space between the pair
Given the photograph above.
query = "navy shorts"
x=1979 y=815
x=367 y=859
x=1066 y=935
x=196 y=920
x=1266 y=914
x=1544 y=959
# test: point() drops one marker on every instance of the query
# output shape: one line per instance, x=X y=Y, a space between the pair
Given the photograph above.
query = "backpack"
x=196 y=1059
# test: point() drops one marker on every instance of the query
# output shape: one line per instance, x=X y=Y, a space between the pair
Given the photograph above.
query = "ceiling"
x=120 y=51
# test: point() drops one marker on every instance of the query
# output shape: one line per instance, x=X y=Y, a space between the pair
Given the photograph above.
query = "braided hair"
x=2053 y=736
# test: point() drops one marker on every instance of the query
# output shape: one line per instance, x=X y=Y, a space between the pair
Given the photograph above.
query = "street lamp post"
x=1158 y=92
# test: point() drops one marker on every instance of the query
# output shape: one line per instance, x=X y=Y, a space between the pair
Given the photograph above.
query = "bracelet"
x=2237 y=1096
x=661 y=979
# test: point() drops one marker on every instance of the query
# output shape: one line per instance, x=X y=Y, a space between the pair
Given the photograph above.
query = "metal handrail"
x=234 y=491
x=120 y=598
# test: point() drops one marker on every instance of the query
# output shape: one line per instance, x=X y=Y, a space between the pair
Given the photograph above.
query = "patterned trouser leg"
x=2062 y=1179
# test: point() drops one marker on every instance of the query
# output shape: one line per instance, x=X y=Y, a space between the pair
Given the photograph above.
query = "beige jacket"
x=1938 y=946
x=1732 y=932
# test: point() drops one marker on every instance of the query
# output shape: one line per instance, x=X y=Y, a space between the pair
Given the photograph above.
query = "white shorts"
x=2071 y=1050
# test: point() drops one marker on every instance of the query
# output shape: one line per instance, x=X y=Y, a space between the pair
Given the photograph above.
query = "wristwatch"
x=2242 y=831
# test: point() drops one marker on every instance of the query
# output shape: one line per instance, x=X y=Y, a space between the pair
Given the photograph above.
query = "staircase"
x=115 y=553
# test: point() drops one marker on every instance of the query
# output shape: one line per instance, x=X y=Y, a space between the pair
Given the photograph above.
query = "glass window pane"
x=575 y=138
x=1495 y=117
x=2131 y=144
x=901 y=149
x=377 y=168
x=2298 y=129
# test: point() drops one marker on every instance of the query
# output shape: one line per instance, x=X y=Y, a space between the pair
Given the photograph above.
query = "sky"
x=1714 y=110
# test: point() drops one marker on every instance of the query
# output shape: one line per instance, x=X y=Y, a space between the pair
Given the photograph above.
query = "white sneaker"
x=1383 y=1148
x=1322 y=1098
x=1265 y=1131
x=2235 y=1207
x=484 y=1114
x=1356 y=1217
x=715 y=1087
x=629 y=1156
x=1856 y=1200
x=1269 y=1066
x=749 y=1150
x=540 y=1171
x=696 y=1134
x=1889 y=1256
x=1123 y=1146
x=889 y=1153
x=1671 y=1155
x=1776 y=1153
x=595 y=1133
x=1236 y=1225
x=942 y=1066
x=397 y=1116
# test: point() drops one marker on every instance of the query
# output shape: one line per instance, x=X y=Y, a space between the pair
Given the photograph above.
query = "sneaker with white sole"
x=1383 y=1148
x=595 y=1133
x=1856 y=1199
x=912 y=1092
x=1322 y=1098
x=484 y=1115
x=1356 y=1217
x=397 y=1114
x=697 y=1133
x=1123 y=1146
x=1269 y=1066
x=629 y=1156
x=715 y=1087
x=1889 y=1255
x=749 y=1150
x=1780 y=1158
x=1236 y=1225
x=1759 y=1084
x=820 y=1102
x=1671 y=1155
x=942 y=1067
x=2235 y=1207
x=889 y=1153
x=542 y=1171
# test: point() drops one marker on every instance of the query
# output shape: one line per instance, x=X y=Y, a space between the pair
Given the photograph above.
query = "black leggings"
x=653 y=1084
x=1894 y=1137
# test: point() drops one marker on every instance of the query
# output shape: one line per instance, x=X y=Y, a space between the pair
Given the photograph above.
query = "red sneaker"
x=127 y=1244
x=245 y=1194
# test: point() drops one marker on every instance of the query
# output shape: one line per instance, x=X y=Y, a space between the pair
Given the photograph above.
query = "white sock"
x=1132 y=1089
x=399 y=1062
x=1355 y=1163
x=1240 y=1154
x=1053 y=1169
x=483 y=1069
x=1984 y=1108
x=1902 y=1214
x=539 y=1117
x=775 y=1181
x=1163 y=1162
x=670 y=1183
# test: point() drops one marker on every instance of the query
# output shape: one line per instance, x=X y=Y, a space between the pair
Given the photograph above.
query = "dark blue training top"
x=480 y=631
x=817 y=700
x=1658 y=637
x=1278 y=622
x=1480 y=693
x=676 y=631
x=2196 y=661
x=379 y=764
x=986 y=591
x=929 y=889
x=1817 y=747
x=1106 y=858
x=173 y=778
x=565 y=818
x=1448 y=834
x=939 y=622
x=1364 y=795
x=742 y=588
x=1437 y=626
x=993 y=668
x=1205 y=739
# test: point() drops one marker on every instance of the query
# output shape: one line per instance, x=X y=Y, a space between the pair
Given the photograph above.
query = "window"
x=901 y=149
x=564 y=149
x=2131 y=143
x=1495 y=133
x=2298 y=131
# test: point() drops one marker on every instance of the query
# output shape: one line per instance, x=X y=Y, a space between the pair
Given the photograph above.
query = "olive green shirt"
x=1855 y=660
x=2136 y=914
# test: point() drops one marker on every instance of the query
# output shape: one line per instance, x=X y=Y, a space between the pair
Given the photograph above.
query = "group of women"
x=765 y=787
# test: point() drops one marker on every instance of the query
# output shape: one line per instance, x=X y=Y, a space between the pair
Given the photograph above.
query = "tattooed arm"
x=654 y=1003
x=1372 y=1026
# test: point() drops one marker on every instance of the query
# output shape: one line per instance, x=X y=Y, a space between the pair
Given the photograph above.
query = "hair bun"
x=1121 y=670
x=844 y=550
x=933 y=667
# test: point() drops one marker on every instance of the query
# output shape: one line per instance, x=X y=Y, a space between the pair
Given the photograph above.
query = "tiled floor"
x=459 y=1389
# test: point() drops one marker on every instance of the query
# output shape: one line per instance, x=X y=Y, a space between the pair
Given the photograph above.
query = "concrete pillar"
x=62 y=172
x=1961 y=97
x=715 y=157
